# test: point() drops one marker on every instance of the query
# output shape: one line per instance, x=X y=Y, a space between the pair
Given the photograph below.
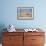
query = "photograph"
x=25 y=13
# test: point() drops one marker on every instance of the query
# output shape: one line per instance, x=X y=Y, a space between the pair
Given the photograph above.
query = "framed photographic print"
x=25 y=13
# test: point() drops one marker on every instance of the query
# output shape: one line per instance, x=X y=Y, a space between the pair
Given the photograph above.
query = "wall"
x=8 y=13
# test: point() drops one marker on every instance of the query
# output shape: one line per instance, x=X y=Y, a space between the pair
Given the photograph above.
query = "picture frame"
x=25 y=13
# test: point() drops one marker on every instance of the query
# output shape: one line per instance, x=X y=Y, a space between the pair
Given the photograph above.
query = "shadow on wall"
x=2 y=26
